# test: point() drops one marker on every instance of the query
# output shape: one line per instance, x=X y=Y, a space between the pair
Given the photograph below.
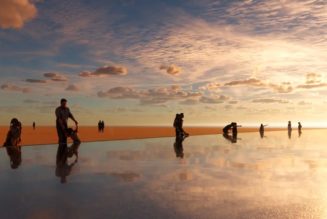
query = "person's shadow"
x=178 y=146
x=15 y=155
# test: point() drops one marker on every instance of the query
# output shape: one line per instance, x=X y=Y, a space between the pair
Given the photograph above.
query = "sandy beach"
x=48 y=135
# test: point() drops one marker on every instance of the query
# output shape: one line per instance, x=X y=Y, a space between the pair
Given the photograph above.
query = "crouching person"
x=12 y=142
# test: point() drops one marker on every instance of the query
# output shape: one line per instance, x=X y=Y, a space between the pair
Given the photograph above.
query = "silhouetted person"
x=12 y=141
x=99 y=126
x=102 y=126
x=62 y=115
x=262 y=130
x=178 y=146
x=13 y=137
x=234 y=129
x=178 y=124
x=289 y=129
x=227 y=128
x=34 y=125
x=73 y=149
x=299 y=128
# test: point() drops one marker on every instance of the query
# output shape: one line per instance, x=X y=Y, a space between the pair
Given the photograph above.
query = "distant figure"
x=34 y=125
x=102 y=126
x=73 y=149
x=99 y=126
x=178 y=124
x=299 y=128
x=62 y=115
x=227 y=128
x=289 y=129
x=11 y=143
x=234 y=129
x=262 y=130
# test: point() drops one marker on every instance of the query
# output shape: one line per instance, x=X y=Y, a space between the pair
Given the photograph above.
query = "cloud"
x=189 y=102
x=213 y=99
x=149 y=96
x=14 y=88
x=171 y=69
x=310 y=86
x=267 y=100
x=14 y=13
x=105 y=70
x=251 y=81
x=35 y=81
x=72 y=87
x=55 y=76
x=210 y=86
x=303 y=103
x=284 y=87
x=313 y=78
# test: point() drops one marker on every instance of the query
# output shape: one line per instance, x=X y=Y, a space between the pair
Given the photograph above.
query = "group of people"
x=101 y=126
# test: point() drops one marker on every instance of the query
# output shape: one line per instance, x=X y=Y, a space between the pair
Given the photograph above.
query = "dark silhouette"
x=11 y=143
x=73 y=149
x=178 y=146
x=63 y=168
x=262 y=130
x=101 y=126
x=231 y=138
x=289 y=129
x=178 y=124
x=299 y=128
x=62 y=115
x=14 y=134
x=15 y=155
x=34 y=125
x=231 y=127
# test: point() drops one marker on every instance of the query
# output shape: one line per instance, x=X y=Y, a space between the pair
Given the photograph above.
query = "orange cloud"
x=55 y=76
x=72 y=87
x=11 y=87
x=105 y=70
x=14 y=13
x=171 y=69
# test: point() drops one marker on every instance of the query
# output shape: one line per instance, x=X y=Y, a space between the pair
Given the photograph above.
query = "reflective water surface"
x=200 y=177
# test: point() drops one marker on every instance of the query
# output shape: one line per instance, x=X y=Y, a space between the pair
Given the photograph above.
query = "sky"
x=139 y=62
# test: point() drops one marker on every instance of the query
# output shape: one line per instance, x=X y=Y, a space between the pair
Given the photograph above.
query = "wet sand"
x=48 y=135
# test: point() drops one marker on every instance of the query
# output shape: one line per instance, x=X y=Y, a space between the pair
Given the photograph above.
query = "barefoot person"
x=62 y=115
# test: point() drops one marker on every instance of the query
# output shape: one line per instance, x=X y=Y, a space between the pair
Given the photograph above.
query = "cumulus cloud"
x=189 y=102
x=171 y=69
x=14 y=13
x=14 y=88
x=72 y=87
x=213 y=99
x=284 y=87
x=105 y=70
x=251 y=81
x=267 y=100
x=35 y=81
x=313 y=80
x=149 y=96
x=210 y=86
x=55 y=76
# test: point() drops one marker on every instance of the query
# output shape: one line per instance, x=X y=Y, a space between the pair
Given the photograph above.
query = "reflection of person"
x=62 y=115
x=63 y=168
x=73 y=149
x=178 y=147
x=299 y=128
x=15 y=155
x=231 y=138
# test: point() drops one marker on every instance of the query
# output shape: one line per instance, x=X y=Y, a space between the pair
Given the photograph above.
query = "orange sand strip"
x=48 y=135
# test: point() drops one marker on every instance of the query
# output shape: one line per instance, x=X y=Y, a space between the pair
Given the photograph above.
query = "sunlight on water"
x=271 y=177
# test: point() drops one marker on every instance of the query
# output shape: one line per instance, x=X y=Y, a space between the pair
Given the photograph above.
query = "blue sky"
x=139 y=62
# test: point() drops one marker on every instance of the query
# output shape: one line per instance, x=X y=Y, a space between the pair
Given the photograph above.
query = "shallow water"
x=272 y=177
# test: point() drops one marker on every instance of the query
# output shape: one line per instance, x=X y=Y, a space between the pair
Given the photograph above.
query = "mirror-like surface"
x=200 y=177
